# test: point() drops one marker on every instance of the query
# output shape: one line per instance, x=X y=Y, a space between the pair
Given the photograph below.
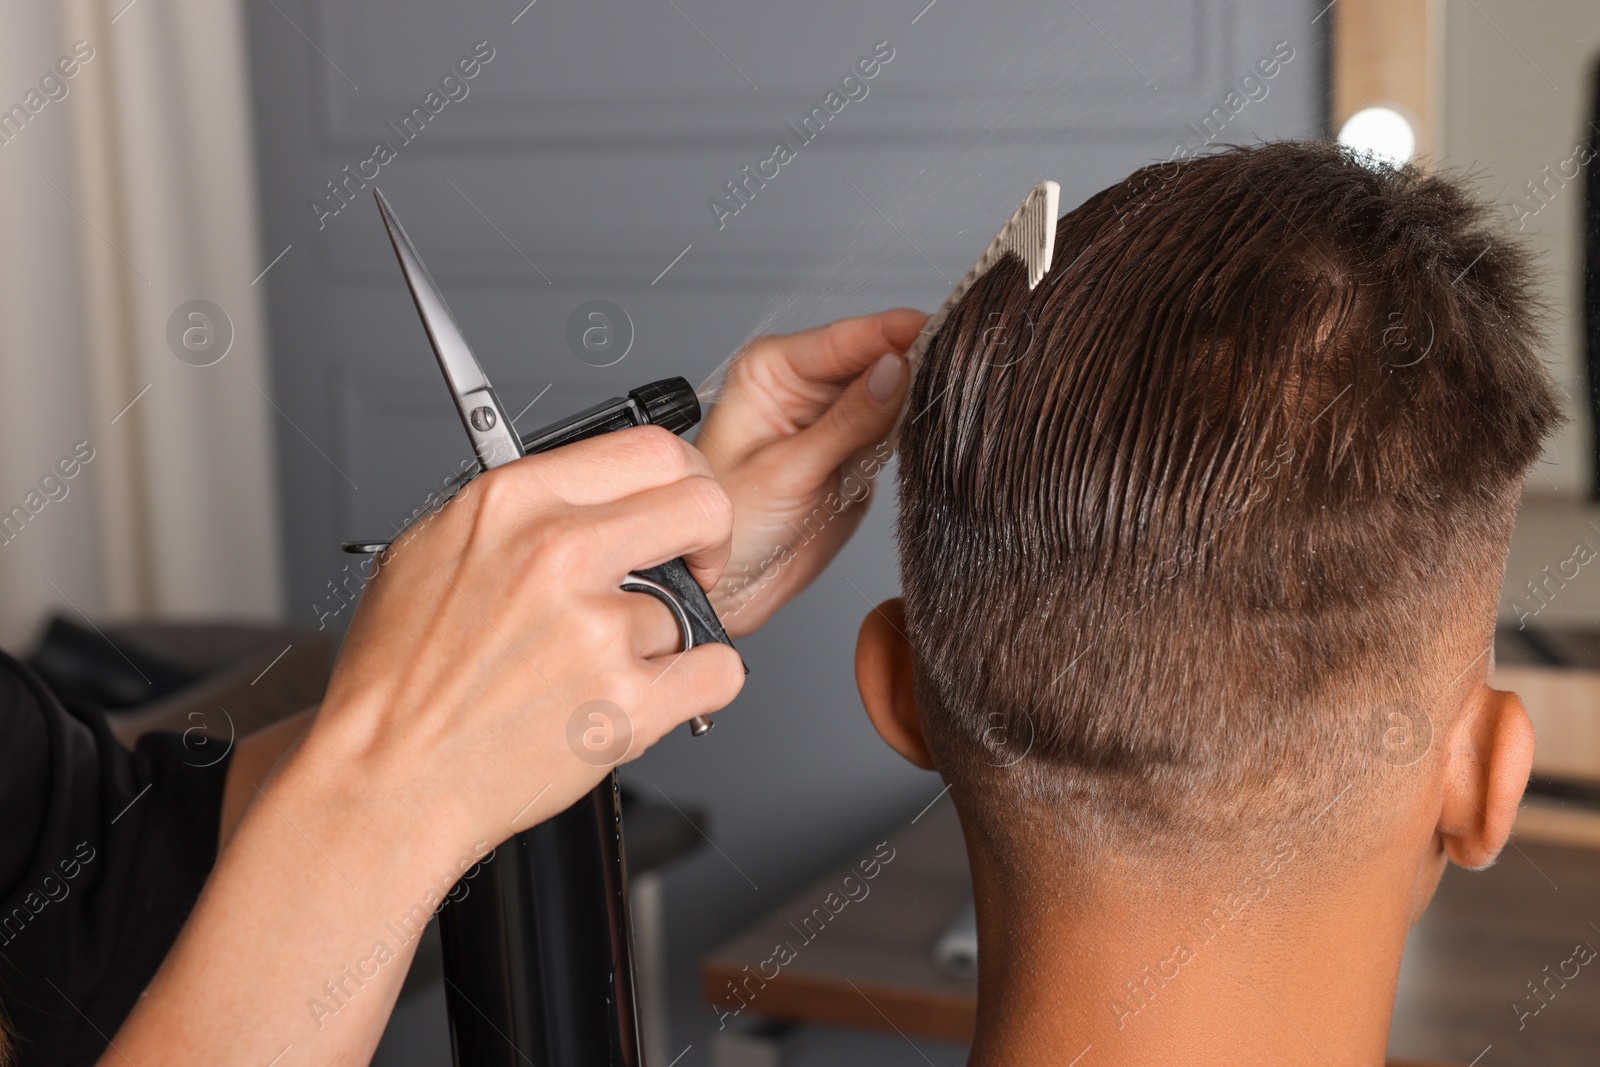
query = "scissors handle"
x=673 y=585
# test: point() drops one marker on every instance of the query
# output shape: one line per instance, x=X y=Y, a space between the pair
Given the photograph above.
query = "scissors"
x=671 y=403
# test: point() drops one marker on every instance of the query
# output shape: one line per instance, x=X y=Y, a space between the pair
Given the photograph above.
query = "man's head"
x=1207 y=530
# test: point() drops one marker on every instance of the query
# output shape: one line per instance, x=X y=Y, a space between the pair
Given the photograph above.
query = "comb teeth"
x=1029 y=234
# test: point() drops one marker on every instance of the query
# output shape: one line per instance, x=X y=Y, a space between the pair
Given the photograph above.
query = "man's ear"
x=884 y=677
x=1486 y=771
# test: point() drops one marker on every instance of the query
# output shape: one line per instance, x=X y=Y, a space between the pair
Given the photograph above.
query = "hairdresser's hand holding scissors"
x=797 y=438
x=511 y=615
x=446 y=725
x=445 y=728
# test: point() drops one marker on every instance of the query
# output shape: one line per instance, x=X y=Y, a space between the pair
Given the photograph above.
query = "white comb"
x=1029 y=234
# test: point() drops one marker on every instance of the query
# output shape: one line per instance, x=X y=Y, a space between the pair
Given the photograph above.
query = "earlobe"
x=884 y=677
x=1490 y=758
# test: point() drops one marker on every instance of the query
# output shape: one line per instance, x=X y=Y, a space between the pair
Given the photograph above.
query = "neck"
x=1264 y=964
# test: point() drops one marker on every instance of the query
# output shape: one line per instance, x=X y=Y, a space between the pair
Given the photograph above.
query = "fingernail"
x=884 y=377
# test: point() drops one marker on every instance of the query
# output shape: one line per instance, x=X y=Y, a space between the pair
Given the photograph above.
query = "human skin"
x=1304 y=976
x=795 y=412
x=797 y=417
x=444 y=726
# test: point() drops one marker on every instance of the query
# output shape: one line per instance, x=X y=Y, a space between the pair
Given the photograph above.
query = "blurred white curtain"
x=130 y=197
x=43 y=400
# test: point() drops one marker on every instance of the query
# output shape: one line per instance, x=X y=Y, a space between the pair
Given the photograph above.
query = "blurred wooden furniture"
x=258 y=673
x=1565 y=708
x=1557 y=675
x=222 y=679
x=872 y=964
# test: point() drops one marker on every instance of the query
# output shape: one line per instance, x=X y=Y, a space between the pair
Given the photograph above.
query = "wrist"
x=325 y=889
x=371 y=802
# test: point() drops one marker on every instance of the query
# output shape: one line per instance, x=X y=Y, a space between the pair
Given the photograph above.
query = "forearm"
x=253 y=760
x=305 y=930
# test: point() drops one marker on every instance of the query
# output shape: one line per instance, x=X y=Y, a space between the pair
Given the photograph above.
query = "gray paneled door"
x=546 y=156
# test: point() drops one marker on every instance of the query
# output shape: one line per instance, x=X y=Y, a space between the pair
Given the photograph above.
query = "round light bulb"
x=1381 y=132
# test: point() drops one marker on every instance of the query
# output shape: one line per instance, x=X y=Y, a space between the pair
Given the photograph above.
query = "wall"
x=1517 y=88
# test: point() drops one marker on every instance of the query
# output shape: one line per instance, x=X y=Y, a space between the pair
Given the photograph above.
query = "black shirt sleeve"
x=102 y=855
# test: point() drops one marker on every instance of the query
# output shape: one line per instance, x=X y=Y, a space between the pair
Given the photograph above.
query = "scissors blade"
x=493 y=437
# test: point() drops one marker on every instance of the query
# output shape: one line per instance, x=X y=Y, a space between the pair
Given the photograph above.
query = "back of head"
x=1191 y=528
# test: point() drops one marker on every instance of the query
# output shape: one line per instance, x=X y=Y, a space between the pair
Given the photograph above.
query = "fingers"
x=845 y=348
x=692 y=518
x=779 y=385
x=701 y=681
x=611 y=466
x=668 y=692
x=862 y=416
x=654 y=625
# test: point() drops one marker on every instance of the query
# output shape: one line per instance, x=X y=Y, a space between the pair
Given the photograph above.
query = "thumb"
x=864 y=414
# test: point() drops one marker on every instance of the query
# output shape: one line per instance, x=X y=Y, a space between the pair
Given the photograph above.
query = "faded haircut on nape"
x=1184 y=526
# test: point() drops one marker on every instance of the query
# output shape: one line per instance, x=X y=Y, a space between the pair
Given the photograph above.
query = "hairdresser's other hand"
x=797 y=438
x=487 y=629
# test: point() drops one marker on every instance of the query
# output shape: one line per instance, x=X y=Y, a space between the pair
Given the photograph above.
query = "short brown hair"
x=1174 y=523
